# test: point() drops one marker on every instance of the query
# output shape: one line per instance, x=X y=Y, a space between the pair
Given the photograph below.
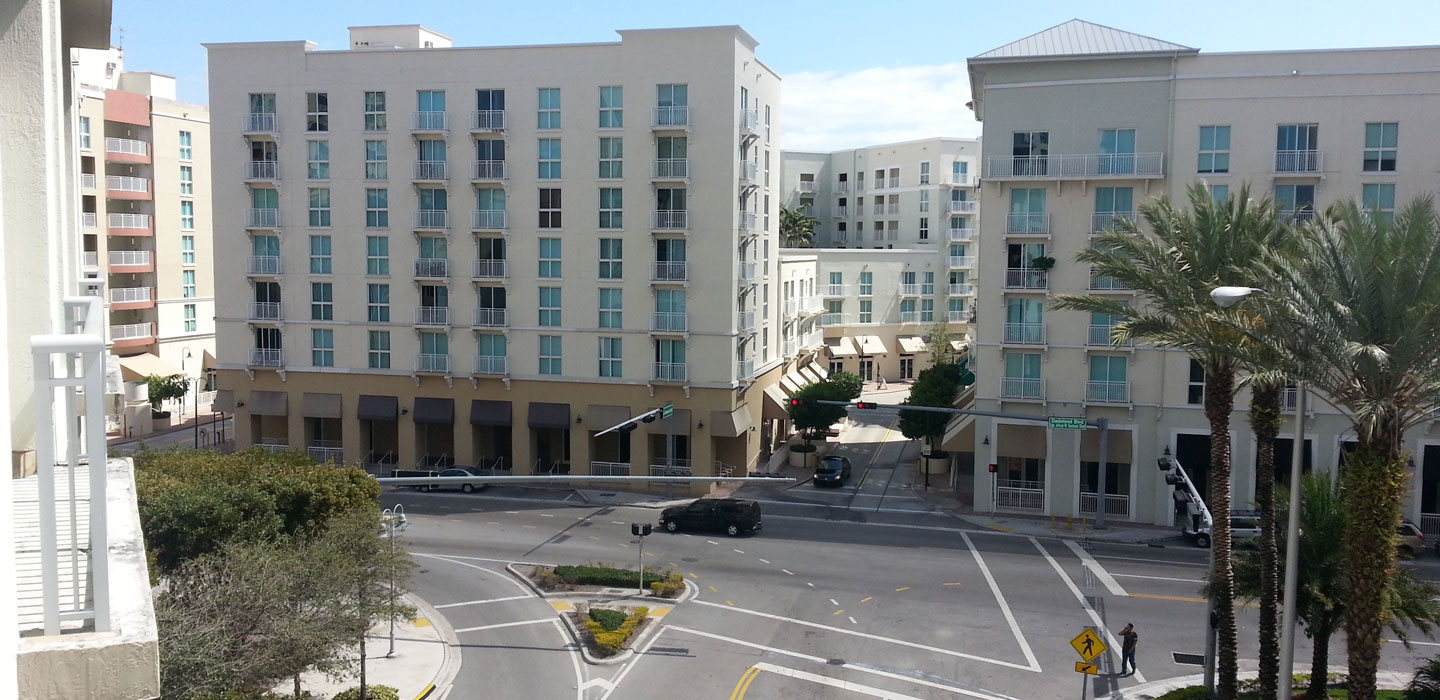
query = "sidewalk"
x=187 y=422
x=1385 y=680
x=426 y=652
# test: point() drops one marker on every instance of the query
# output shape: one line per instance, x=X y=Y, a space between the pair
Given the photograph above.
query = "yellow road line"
x=649 y=554
x=673 y=564
x=903 y=588
x=883 y=442
x=865 y=599
x=692 y=574
x=950 y=584
x=863 y=477
x=622 y=544
x=532 y=527
x=745 y=679
x=713 y=589
x=837 y=612
x=729 y=603
x=492 y=522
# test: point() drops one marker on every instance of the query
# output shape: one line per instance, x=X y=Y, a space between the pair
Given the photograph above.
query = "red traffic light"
x=797 y=402
x=866 y=404
x=993 y=469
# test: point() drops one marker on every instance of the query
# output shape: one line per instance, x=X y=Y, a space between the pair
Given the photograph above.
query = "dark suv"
x=834 y=471
x=732 y=515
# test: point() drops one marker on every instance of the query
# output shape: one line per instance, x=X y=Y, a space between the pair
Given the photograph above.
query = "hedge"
x=610 y=642
x=609 y=619
x=372 y=692
x=608 y=576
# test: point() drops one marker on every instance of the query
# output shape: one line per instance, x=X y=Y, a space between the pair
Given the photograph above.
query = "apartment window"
x=924 y=201
x=187 y=181
x=376 y=167
x=322 y=347
x=610 y=258
x=490 y=345
x=379 y=355
x=610 y=307
x=767 y=168
x=928 y=286
x=957 y=304
x=959 y=172
x=374 y=111
x=1220 y=194
x=550 y=208
x=612 y=103
x=187 y=284
x=377 y=308
x=85 y=133
x=187 y=250
x=187 y=216
x=1296 y=201
x=879 y=230
x=611 y=207
x=1195 y=387
x=490 y=100
x=867 y=284
x=320 y=255
x=549 y=159
x=1379 y=200
x=925 y=173
x=186 y=149
x=377 y=207
x=1027 y=211
x=672 y=95
x=1022 y=376
x=764 y=344
x=190 y=323
x=322 y=301
x=262 y=103
x=840 y=233
x=549 y=306
x=434 y=199
x=317 y=160
x=866 y=310
x=927 y=310
x=767 y=124
x=767 y=220
x=1117 y=151
x=1214 y=150
x=317 y=111
x=550 y=354
x=550 y=258
x=1381 y=146
x=1030 y=152
x=320 y=206
x=611 y=151
x=377 y=255
x=548 y=116
x=1296 y=148
x=429 y=103
x=610 y=353
x=907 y=310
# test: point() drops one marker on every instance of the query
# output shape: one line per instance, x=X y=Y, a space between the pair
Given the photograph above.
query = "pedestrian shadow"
x=1108 y=680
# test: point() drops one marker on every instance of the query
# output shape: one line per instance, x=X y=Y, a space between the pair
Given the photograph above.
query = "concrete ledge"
x=450 y=667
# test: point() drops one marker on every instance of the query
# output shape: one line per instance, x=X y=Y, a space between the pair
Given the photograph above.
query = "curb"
x=450 y=667
x=1153 y=689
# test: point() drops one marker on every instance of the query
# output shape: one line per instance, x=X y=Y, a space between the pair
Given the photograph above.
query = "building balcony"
x=1102 y=337
x=842 y=188
x=1027 y=224
x=669 y=220
x=963 y=207
x=1100 y=283
x=909 y=316
x=491 y=364
x=487 y=120
x=90 y=219
x=431 y=171
x=745 y=321
x=87 y=181
x=131 y=298
x=792 y=307
x=432 y=268
x=129 y=225
x=126 y=187
x=832 y=319
x=964 y=289
x=960 y=235
x=488 y=171
x=960 y=262
x=265 y=311
x=90 y=258
x=262 y=218
x=894 y=182
x=132 y=261
x=1023 y=388
x=430 y=363
x=428 y=122
x=744 y=369
x=1101 y=221
x=1128 y=166
x=791 y=347
x=1107 y=392
x=879 y=210
x=263 y=170
x=745 y=272
x=673 y=117
x=129 y=334
x=669 y=322
x=489 y=220
x=958 y=180
x=670 y=169
x=489 y=269
x=1026 y=278
x=669 y=271
x=841 y=211
x=258 y=123
x=747 y=221
x=432 y=219
x=262 y=265
x=749 y=121
x=1024 y=334
x=126 y=151
x=267 y=357
x=909 y=290
x=325 y=452
x=805 y=187
x=1290 y=398
x=960 y=317
x=432 y=316
x=669 y=372
x=490 y=318
x=813 y=339
x=1299 y=162
x=832 y=290
x=747 y=171
x=892 y=209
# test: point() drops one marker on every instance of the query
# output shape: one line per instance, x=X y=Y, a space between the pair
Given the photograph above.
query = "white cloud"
x=829 y=111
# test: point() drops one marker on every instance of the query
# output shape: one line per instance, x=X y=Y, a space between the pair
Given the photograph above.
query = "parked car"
x=464 y=486
x=832 y=471
x=1412 y=540
x=733 y=516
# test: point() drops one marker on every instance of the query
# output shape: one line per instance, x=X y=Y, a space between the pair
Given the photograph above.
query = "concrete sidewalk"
x=1385 y=680
x=426 y=652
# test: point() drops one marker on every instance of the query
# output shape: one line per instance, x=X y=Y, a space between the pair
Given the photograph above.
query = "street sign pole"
x=1100 y=487
x=665 y=415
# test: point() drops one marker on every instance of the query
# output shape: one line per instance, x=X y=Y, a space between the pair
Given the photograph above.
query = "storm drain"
x=1188 y=659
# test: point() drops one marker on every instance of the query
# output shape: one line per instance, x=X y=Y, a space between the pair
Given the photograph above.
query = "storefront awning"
x=820 y=371
x=775 y=402
x=1119 y=452
x=680 y=419
x=799 y=379
x=320 y=405
x=602 y=417
x=549 y=415
x=729 y=424
x=493 y=413
x=871 y=345
x=809 y=373
x=789 y=385
x=957 y=346
x=433 y=410
x=377 y=408
x=207 y=360
x=911 y=344
x=269 y=403
x=840 y=347
x=136 y=368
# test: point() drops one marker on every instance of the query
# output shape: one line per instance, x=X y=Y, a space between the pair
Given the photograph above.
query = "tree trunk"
x=1219 y=401
x=1319 y=667
x=297 y=685
x=1375 y=482
x=1265 y=422
x=362 y=666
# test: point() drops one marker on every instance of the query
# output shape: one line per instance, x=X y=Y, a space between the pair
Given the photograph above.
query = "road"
x=183 y=438
x=854 y=592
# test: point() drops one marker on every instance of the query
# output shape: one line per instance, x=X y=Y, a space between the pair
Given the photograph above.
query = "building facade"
x=1085 y=123
x=483 y=256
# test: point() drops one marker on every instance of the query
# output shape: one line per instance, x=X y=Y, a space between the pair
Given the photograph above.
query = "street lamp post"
x=395 y=521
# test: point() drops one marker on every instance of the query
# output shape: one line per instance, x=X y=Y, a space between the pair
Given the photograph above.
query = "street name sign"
x=668 y=409
x=1067 y=424
x=1088 y=645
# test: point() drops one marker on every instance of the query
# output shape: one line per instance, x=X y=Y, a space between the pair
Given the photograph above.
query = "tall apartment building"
x=1084 y=123
x=482 y=256
x=145 y=217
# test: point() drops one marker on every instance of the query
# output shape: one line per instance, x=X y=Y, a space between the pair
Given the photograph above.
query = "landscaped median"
x=601 y=605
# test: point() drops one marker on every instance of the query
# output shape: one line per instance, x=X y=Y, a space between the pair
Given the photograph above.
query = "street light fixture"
x=1226 y=297
x=395 y=521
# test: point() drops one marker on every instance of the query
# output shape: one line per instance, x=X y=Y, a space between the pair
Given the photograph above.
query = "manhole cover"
x=835 y=662
x=689 y=560
x=1188 y=659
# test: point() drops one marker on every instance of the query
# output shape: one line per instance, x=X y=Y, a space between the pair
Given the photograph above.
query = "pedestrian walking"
x=882 y=383
x=1129 y=639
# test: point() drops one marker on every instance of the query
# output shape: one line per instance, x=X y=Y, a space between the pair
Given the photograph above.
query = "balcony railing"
x=127 y=258
x=130 y=295
x=841 y=211
x=1289 y=399
x=747 y=221
x=960 y=317
x=432 y=363
x=129 y=147
x=671 y=117
x=264 y=311
x=670 y=168
x=432 y=315
x=961 y=262
x=132 y=331
x=432 y=219
x=90 y=219
x=1101 y=337
x=1115 y=504
x=1022 y=388
x=432 y=268
x=745 y=369
x=669 y=322
x=813 y=339
x=259 y=123
x=1299 y=161
x=960 y=235
x=90 y=258
x=128 y=221
x=669 y=271
x=1026 y=278
x=842 y=187
x=488 y=170
x=805 y=187
x=832 y=290
x=909 y=290
x=1025 y=333
x=909 y=316
x=1027 y=223
x=961 y=206
x=262 y=218
x=489 y=269
x=489 y=220
x=749 y=120
x=745 y=272
x=831 y=319
x=431 y=170
x=491 y=318
x=963 y=289
x=747 y=171
x=1107 y=392
x=1101 y=283
x=262 y=265
x=669 y=220
x=791 y=347
x=267 y=357
x=326 y=452
x=1090 y=165
x=429 y=121
x=1103 y=220
x=609 y=468
x=87 y=180
x=491 y=364
x=745 y=321
x=792 y=307
x=487 y=120
x=669 y=372
x=262 y=170
x=959 y=179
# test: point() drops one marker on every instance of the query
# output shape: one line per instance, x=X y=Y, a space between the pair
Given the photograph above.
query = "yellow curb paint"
x=729 y=603
x=998 y=528
x=622 y=544
x=492 y=522
x=950 y=584
x=426 y=692
x=597 y=539
x=866 y=599
x=532 y=527
x=692 y=574
x=649 y=554
x=673 y=564
x=904 y=588
x=659 y=612
x=561 y=606
x=420 y=622
x=713 y=589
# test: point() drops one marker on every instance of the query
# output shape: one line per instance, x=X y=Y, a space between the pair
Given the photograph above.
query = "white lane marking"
x=508 y=579
x=479 y=602
x=852 y=620
x=788 y=572
x=1152 y=561
x=1094 y=617
x=597 y=683
x=764 y=561
x=736 y=551
x=547 y=515
x=711 y=542
x=1162 y=578
x=507 y=624
x=1004 y=607
x=639 y=654
x=1099 y=570
x=833 y=682
x=809 y=584
x=901 y=642
x=574 y=655
x=616 y=522
x=477 y=510
x=512 y=512
x=832 y=602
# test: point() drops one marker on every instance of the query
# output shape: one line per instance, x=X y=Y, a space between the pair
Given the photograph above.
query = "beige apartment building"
x=145 y=222
x=442 y=255
x=1083 y=124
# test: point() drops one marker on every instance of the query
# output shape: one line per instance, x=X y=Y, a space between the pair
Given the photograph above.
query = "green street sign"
x=1067 y=424
x=666 y=410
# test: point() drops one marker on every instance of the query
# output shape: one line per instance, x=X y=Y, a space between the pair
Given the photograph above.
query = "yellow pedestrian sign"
x=1088 y=645
x=1088 y=669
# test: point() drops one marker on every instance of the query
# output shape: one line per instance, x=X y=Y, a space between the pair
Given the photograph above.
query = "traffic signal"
x=627 y=428
x=866 y=404
x=799 y=402
x=650 y=417
x=994 y=468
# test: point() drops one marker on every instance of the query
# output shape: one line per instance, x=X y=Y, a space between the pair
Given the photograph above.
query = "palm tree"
x=1265 y=423
x=1362 y=304
x=1175 y=265
x=796 y=229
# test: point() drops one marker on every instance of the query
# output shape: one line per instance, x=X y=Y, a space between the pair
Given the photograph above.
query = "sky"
x=853 y=73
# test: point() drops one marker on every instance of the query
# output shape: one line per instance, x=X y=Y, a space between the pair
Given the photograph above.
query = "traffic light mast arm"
x=652 y=414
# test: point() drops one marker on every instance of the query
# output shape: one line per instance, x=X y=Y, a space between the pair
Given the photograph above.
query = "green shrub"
x=670 y=587
x=372 y=692
x=1426 y=683
x=1197 y=692
x=609 y=619
x=608 y=576
x=803 y=449
x=611 y=641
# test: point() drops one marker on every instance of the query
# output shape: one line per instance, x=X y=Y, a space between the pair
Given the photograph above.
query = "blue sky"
x=855 y=73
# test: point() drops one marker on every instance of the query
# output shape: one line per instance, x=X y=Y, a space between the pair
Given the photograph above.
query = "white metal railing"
x=670 y=466
x=1026 y=278
x=128 y=221
x=670 y=168
x=831 y=319
x=487 y=120
x=671 y=116
x=841 y=211
x=429 y=121
x=1102 y=337
x=129 y=295
x=811 y=305
x=791 y=347
x=909 y=290
x=262 y=170
x=262 y=265
x=1299 y=161
x=745 y=272
x=87 y=180
x=963 y=289
x=90 y=219
x=879 y=210
x=669 y=271
x=489 y=220
x=264 y=310
x=490 y=364
x=958 y=316
x=833 y=290
x=130 y=147
x=432 y=219
x=488 y=170
x=1101 y=283
x=842 y=188
x=273 y=444
x=326 y=453
x=490 y=318
x=962 y=206
x=669 y=220
x=1289 y=399
x=490 y=269
x=262 y=218
x=430 y=362
x=959 y=179
x=747 y=221
x=1430 y=523
x=126 y=258
x=792 y=307
x=744 y=369
x=1102 y=220
x=1107 y=392
x=609 y=468
x=960 y=262
x=90 y=258
x=1022 y=388
x=747 y=171
x=1124 y=165
x=960 y=235
x=431 y=170
x=1024 y=495
x=1115 y=504
x=70 y=368
x=745 y=321
x=1022 y=223
x=1025 y=333
x=669 y=371
x=813 y=339
x=267 y=357
x=432 y=315
x=748 y=120
x=434 y=268
x=132 y=331
x=668 y=321
x=259 y=122
x=806 y=187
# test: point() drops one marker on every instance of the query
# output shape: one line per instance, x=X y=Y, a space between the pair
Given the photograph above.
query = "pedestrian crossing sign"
x=1088 y=669
x=1088 y=645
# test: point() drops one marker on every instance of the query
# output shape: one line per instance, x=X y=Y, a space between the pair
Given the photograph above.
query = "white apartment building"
x=1083 y=124
x=484 y=255
x=145 y=220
